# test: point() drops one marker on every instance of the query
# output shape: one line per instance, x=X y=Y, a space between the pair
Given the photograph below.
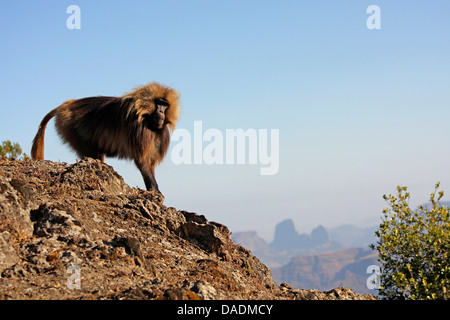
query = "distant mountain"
x=288 y=243
x=329 y=270
x=324 y=259
x=287 y=238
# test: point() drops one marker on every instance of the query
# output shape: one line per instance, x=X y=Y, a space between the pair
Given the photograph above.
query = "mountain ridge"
x=320 y=260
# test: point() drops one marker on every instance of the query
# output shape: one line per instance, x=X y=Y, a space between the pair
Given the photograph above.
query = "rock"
x=285 y=286
x=208 y=236
x=8 y=255
x=334 y=294
x=204 y=290
x=81 y=224
x=49 y=220
x=14 y=210
x=90 y=174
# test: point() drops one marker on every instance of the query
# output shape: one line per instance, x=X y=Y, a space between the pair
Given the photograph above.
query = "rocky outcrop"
x=80 y=232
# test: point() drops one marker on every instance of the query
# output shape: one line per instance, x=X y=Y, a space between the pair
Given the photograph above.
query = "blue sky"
x=359 y=111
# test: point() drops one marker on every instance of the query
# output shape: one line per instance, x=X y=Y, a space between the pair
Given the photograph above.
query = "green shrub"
x=11 y=150
x=414 y=249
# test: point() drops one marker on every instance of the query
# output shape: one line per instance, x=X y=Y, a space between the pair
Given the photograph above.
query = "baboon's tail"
x=37 y=150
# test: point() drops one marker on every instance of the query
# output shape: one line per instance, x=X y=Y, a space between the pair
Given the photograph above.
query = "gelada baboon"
x=135 y=126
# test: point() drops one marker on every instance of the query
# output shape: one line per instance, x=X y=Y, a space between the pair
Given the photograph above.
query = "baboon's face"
x=156 y=120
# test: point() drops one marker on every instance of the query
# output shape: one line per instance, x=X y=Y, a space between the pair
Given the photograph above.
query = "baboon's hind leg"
x=91 y=153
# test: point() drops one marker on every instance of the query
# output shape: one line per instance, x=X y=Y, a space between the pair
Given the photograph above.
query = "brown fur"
x=117 y=127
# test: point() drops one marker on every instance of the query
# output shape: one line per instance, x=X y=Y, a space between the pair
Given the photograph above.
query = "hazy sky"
x=359 y=111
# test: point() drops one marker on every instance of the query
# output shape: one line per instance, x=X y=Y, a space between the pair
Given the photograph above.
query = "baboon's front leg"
x=148 y=173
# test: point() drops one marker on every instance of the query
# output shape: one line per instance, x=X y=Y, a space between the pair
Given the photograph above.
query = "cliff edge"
x=79 y=232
